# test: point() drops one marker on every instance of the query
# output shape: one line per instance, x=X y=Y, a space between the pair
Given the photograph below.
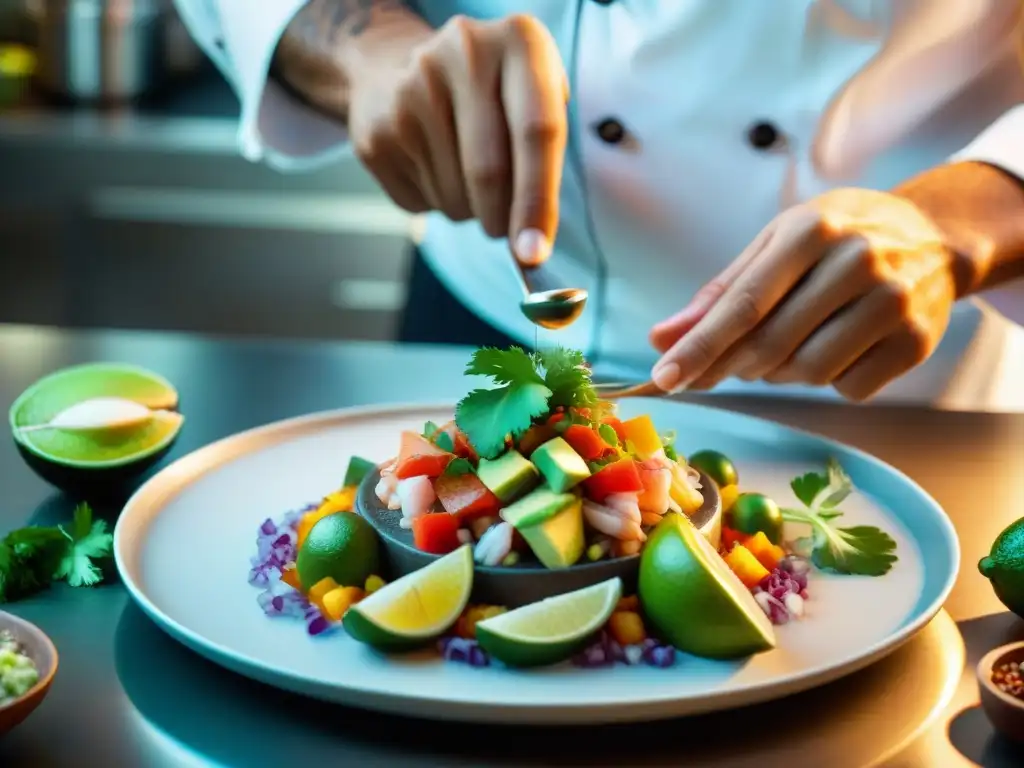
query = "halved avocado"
x=95 y=465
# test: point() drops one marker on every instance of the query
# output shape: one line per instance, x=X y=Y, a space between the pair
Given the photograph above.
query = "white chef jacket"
x=692 y=124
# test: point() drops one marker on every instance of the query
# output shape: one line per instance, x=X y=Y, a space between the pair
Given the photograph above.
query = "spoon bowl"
x=554 y=309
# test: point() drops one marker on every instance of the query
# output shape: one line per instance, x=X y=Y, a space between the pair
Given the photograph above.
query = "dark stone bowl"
x=528 y=581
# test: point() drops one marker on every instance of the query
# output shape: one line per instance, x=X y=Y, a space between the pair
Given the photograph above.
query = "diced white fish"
x=656 y=475
x=494 y=545
x=794 y=604
x=388 y=468
x=625 y=504
x=609 y=522
x=387 y=491
x=416 y=495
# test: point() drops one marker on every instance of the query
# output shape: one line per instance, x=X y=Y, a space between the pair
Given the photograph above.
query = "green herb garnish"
x=429 y=429
x=668 y=442
x=862 y=550
x=444 y=441
x=459 y=466
x=609 y=435
x=528 y=387
x=34 y=557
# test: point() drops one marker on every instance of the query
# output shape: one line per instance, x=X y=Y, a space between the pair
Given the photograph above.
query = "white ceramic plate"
x=184 y=540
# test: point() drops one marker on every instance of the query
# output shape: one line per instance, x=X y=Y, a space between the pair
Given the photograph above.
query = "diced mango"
x=290 y=576
x=465 y=627
x=628 y=603
x=317 y=591
x=373 y=583
x=641 y=432
x=627 y=628
x=340 y=501
x=688 y=498
x=746 y=567
x=729 y=493
x=626 y=548
x=767 y=554
x=339 y=600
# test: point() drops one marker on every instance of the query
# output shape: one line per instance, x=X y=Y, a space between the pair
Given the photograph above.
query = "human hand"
x=473 y=125
x=852 y=289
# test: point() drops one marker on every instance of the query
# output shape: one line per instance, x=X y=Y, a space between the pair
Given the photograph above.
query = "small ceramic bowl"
x=1005 y=711
x=41 y=650
x=528 y=581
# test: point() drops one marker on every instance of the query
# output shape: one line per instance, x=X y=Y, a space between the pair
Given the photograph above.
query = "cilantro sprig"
x=34 y=557
x=527 y=388
x=862 y=550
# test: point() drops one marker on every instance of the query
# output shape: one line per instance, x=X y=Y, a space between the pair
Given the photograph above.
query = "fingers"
x=667 y=332
x=843 y=276
x=884 y=362
x=757 y=289
x=396 y=179
x=533 y=94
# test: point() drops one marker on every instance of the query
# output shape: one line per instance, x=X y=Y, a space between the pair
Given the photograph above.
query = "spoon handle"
x=619 y=391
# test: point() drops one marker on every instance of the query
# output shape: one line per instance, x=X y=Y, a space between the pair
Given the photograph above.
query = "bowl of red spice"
x=1001 y=682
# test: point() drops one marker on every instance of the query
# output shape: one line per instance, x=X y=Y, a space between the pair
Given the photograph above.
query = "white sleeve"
x=1001 y=144
x=240 y=37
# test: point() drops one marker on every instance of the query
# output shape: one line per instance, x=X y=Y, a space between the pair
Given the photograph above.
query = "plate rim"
x=464 y=708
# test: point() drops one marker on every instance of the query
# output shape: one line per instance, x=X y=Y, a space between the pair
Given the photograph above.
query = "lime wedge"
x=551 y=630
x=417 y=608
x=692 y=598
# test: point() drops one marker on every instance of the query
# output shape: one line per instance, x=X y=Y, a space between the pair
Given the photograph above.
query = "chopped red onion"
x=463 y=650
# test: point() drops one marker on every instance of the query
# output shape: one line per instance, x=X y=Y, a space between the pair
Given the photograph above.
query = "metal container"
x=107 y=51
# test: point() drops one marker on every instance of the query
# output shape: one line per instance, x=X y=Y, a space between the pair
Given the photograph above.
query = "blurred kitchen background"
x=139 y=213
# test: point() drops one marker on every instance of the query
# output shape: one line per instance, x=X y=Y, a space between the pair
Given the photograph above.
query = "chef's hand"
x=852 y=289
x=473 y=125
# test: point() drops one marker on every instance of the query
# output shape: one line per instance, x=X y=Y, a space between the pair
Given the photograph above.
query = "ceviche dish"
x=646 y=553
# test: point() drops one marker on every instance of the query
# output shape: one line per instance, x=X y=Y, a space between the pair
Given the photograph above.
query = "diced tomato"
x=621 y=476
x=463 y=448
x=586 y=442
x=437 y=533
x=465 y=496
x=419 y=456
x=535 y=437
x=555 y=417
x=731 y=536
x=620 y=430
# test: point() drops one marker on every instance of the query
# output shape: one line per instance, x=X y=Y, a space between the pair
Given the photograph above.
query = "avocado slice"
x=551 y=523
x=509 y=476
x=560 y=465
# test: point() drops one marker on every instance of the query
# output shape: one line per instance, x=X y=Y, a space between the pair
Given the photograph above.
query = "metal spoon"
x=553 y=309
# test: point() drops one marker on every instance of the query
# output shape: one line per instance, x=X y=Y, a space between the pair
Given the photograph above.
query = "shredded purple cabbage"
x=789 y=578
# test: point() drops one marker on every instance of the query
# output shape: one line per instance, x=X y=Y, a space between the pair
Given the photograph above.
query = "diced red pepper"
x=463 y=448
x=616 y=424
x=586 y=442
x=418 y=456
x=465 y=496
x=731 y=536
x=535 y=437
x=437 y=533
x=621 y=476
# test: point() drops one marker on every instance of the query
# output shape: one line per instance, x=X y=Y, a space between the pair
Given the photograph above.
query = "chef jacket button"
x=604 y=2
x=610 y=131
x=764 y=136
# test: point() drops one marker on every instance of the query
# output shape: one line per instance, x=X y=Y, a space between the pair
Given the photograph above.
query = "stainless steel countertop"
x=128 y=695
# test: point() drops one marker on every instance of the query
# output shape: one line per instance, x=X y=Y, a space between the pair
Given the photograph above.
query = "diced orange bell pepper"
x=628 y=603
x=627 y=628
x=317 y=591
x=418 y=456
x=587 y=442
x=745 y=566
x=290 y=576
x=767 y=554
x=640 y=431
x=336 y=602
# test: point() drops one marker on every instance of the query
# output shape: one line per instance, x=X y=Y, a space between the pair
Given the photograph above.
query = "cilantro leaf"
x=489 y=416
x=459 y=466
x=88 y=540
x=444 y=441
x=505 y=366
x=862 y=550
x=429 y=429
x=568 y=377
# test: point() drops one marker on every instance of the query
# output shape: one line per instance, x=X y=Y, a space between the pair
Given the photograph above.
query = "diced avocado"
x=509 y=476
x=560 y=465
x=551 y=523
x=358 y=468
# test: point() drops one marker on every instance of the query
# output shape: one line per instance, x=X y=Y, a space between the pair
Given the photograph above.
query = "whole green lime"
x=1004 y=567
x=342 y=546
x=753 y=512
x=715 y=465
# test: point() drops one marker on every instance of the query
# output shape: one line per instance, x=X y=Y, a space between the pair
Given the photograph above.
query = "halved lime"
x=692 y=598
x=92 y=462
x=551 y=630
x=417 y=608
